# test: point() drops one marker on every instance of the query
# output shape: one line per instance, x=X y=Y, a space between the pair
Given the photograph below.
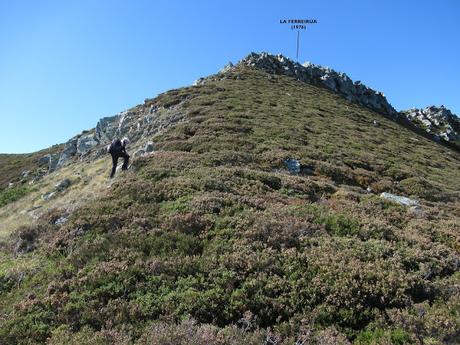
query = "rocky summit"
x=271 y=203
x=438 y=121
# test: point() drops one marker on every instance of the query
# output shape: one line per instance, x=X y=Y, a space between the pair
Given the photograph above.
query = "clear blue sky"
x=65 y=64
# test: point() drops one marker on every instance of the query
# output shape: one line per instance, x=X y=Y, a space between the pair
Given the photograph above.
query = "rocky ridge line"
x=438 y=122
x=324 y=76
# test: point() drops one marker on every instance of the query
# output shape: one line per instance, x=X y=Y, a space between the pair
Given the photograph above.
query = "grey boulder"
x=149 y=147
x=293 y=165
x=64 y=184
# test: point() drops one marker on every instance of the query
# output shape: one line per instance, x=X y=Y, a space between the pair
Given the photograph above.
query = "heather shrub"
x=189 y=332
x=10 y=195
x=426 y=189
x=63 y=335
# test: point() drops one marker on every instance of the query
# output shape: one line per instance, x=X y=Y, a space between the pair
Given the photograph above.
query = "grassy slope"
x=88 y=181
x=212 y=227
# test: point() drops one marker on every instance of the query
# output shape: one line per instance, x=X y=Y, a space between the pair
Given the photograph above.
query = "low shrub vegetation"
x=212 y=241
x=10 y=195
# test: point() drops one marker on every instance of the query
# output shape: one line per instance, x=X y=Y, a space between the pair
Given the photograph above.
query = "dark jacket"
x=117 y=148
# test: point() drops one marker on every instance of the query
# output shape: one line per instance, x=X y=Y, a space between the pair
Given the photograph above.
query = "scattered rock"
x=48 y=196
x=61 y=220
x=37 y=176
x=293 y=165
x=32 y=212
x=64 y=184
x=25 y=173
x=416 y=211
x=402 y=200
x=80 y=231
x=139 y=153
x=307 y=170
x=149 y=147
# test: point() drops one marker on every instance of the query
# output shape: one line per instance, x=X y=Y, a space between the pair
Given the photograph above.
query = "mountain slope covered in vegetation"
x=258 y=219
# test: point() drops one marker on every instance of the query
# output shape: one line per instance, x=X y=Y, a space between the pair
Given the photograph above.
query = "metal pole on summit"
x=298 y=24
x=298 y=38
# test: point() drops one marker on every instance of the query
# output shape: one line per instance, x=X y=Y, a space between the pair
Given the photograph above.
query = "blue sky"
x=65 y=64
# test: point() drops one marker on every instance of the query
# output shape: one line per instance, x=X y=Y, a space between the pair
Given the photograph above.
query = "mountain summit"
x=263 y=206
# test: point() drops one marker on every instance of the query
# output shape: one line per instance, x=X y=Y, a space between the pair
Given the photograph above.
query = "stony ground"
x=211 y=239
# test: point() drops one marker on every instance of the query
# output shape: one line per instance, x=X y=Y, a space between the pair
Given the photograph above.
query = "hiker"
x=118 y=149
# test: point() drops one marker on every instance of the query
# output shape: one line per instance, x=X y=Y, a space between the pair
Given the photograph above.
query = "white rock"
x=402 y=200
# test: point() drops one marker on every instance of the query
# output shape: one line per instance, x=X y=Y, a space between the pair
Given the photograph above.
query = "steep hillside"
x=257 y=219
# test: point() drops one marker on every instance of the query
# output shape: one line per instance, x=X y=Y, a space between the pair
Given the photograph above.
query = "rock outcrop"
x=44 y=160
x=138 y=124
x=64 y=184
x=70 y=149
x=438 y=121
x=86 y=142
x=106 y=127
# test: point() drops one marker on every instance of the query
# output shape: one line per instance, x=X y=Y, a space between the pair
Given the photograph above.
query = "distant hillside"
x=253 y=214
x=15 y=166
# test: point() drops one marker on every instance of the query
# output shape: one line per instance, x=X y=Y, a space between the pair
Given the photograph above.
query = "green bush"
x=380 y=336
x=10 y=195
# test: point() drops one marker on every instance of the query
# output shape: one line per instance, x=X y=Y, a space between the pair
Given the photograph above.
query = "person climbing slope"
x=118 y=149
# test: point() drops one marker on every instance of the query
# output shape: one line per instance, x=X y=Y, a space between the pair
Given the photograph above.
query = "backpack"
x=114 y=146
